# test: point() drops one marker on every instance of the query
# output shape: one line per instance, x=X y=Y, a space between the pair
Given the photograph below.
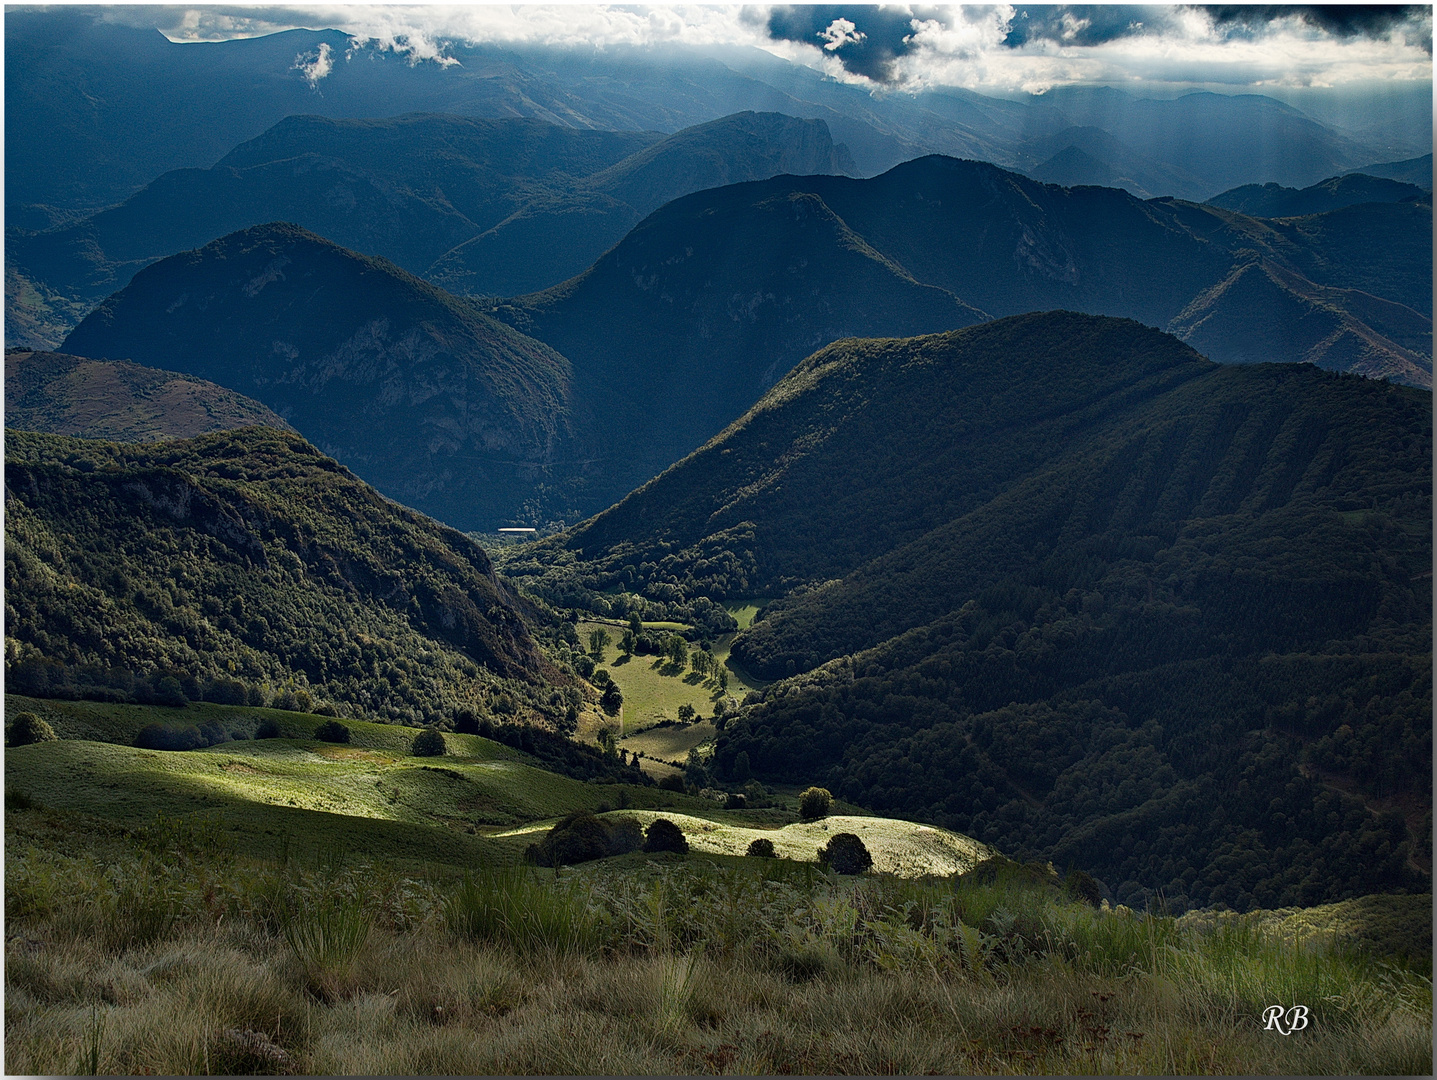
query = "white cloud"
x=954 y=45
x=316 y=64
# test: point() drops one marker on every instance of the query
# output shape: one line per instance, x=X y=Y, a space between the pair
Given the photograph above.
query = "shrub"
x=625 y=835
x=814 y=803
x=673 y=782
x=28 y=728
x=664 y=835
x=576 y=838
x=601 y=677
x=466 y=723
x=845 y=853
x=735 y=802
x=428 y=743
x=332 y=731
x=486 y=728
x=161 y=737
x=269 y=729
x=762 y=848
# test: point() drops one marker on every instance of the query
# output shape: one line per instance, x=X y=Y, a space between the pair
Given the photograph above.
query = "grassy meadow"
x=290 y=906
x=654 y=690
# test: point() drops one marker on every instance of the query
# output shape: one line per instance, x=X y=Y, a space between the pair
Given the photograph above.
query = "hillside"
x=1051 y=551
x=709 y=301
x=433 y=402
x=119 y=401
x=245 y=566
x=1350 y=189
x=495 y=207
x=993 y=239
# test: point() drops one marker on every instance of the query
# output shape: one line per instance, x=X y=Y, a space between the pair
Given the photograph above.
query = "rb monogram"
x=1285 y=1021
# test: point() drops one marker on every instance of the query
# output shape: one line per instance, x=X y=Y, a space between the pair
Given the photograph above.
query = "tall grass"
x=666 y=966
x=512 y=906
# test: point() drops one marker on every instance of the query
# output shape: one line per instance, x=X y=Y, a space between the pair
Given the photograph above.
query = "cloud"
x=315 y=64
x=998 y=47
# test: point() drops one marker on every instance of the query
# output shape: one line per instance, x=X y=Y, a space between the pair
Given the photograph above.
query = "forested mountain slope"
x=432 y=401
x=112 y=399
x=1075 y=590
x=243 y=564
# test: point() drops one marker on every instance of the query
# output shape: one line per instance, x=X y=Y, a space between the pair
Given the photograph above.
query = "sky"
x=990 y=48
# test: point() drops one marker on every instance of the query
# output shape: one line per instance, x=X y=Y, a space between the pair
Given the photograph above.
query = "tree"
x=687 y=714
x=465 y=722
x=626 y=642
x=332 y=731
x=598 y=642
x=28 y=728
x=814 y=803
x=742 y=770
x=762 y=848
x=635 y=626
x=612 y=700
x=678 y=650
x=845 y=853
x=428 y=743
x=664 y=835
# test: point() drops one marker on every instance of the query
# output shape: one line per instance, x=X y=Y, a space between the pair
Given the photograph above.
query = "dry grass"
x=677 y=966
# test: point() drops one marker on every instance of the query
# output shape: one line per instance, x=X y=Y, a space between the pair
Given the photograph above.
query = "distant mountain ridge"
x=1350 y=189
x=122 y=402
x=481 y=206
x=149 y=105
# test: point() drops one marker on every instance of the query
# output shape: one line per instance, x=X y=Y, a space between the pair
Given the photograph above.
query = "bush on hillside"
x=673 y=782
x=428 y=743
x=735 y=802
x=581 y=837
x=845 y=853
x=814 y=803
x=28 y=728
x=664 y=835
x=332 y=731
x=466 y=723
x=269 y=729
x=762 y=848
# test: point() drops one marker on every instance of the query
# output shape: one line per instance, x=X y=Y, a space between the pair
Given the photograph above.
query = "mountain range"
x=1062 y=582
x=552 y=405
x=481 y=206
x=96 y=110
